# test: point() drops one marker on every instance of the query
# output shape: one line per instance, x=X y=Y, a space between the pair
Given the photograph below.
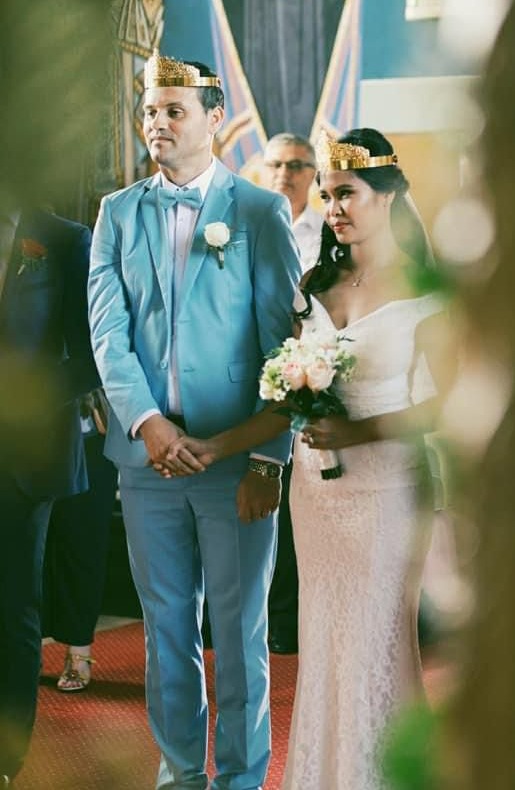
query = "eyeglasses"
x=293 y=165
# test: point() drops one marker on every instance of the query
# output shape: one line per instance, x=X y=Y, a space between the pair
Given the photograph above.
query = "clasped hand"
x=185 y=455
x=172 y=453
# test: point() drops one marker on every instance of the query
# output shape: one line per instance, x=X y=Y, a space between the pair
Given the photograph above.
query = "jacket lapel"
x=156 y=229
x=218 y=200
x=28 y=227
x=31 y=226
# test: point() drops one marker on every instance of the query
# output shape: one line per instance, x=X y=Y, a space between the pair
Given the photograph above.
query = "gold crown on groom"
x=332 y=155
x=164 y=72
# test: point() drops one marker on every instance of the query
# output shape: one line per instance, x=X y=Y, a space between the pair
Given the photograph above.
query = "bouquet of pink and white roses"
x=302 y=373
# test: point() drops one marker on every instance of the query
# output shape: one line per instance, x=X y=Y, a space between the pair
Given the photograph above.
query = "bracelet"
x=265 y=468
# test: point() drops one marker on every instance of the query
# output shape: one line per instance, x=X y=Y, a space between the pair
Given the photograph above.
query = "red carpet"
x=100 y=739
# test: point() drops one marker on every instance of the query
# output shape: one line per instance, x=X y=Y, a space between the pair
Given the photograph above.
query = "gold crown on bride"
x=332 y=155
x=164 y=72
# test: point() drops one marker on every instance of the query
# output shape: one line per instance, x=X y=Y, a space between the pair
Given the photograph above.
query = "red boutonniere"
x=33 y=255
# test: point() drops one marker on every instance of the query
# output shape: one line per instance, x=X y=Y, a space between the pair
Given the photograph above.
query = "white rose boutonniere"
x=217 y=234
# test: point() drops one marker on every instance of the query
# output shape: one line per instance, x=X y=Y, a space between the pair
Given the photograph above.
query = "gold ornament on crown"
x=332 y=155
x=164 y=72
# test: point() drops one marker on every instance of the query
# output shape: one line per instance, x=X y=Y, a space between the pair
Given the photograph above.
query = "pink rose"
x=319 y=375
x=294 y=375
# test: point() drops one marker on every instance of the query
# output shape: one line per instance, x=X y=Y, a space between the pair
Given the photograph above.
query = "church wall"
x=416 y=91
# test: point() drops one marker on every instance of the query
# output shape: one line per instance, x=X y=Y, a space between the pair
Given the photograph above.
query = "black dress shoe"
x=284 y=644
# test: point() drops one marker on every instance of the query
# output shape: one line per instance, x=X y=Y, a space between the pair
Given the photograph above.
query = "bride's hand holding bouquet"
x=302 y=375
x=332 y=433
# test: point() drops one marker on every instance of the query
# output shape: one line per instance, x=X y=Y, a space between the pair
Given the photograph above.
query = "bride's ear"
x=389 y=197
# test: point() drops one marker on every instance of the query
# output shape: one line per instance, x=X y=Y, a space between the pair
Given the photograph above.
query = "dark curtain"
x=284 y=47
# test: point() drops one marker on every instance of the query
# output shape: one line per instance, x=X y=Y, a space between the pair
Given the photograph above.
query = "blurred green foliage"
x=54 y=82
x=410 y=756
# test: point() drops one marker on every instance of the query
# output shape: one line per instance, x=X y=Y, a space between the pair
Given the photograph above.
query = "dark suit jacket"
x=45 y=355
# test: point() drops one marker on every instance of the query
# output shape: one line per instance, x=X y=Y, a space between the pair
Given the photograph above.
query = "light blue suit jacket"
x=228 y=318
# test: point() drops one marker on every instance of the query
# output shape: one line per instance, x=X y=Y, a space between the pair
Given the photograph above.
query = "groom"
x=182 y=314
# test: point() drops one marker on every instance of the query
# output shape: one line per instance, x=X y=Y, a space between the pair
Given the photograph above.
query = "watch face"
x=266 y=468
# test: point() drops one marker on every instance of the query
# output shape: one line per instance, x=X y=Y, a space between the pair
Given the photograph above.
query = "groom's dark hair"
x=209 y=97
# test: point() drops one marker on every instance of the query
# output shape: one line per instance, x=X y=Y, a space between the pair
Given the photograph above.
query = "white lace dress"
x=357 y=541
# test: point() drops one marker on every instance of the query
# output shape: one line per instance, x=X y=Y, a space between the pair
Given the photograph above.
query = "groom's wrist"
x=268 y=469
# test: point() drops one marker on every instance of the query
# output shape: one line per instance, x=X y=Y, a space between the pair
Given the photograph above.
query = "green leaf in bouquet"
x=325 y=403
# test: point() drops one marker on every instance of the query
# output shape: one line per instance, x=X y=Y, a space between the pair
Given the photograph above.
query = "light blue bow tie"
x=188 y=197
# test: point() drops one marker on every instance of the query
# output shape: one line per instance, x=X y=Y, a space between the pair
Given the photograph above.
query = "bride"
x=359 y=539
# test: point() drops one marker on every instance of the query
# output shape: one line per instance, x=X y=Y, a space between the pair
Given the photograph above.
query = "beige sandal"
x=72 y=678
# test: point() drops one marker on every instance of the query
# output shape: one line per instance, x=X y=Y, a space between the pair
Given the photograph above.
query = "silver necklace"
x=363 y=277
x=358 y=280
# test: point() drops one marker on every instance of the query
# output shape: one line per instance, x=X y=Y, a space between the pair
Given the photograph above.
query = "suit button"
x=163 y=364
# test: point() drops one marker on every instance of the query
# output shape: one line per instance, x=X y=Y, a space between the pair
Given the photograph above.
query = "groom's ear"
x=216 y=119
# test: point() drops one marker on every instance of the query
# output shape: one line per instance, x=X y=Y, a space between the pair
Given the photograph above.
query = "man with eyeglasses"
x=289 y=161
x=290 y=169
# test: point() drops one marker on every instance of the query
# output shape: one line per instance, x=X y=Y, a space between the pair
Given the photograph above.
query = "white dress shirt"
x=306 y=229
x=181 y=226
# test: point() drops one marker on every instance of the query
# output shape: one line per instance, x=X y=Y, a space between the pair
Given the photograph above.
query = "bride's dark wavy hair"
x=406 y=223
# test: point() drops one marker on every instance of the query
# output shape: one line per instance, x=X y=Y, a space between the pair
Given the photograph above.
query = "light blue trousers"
x=184 y=533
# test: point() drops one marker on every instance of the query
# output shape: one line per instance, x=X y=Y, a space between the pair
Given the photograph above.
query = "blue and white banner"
x=242 y=139
x=338 y=108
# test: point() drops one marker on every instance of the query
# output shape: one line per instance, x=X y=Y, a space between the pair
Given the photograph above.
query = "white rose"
x=268 y=390
x=217 y=234
x=319 y=375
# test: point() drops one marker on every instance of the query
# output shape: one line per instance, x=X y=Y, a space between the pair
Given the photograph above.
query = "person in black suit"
x=45 y=365
x=77 y=550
